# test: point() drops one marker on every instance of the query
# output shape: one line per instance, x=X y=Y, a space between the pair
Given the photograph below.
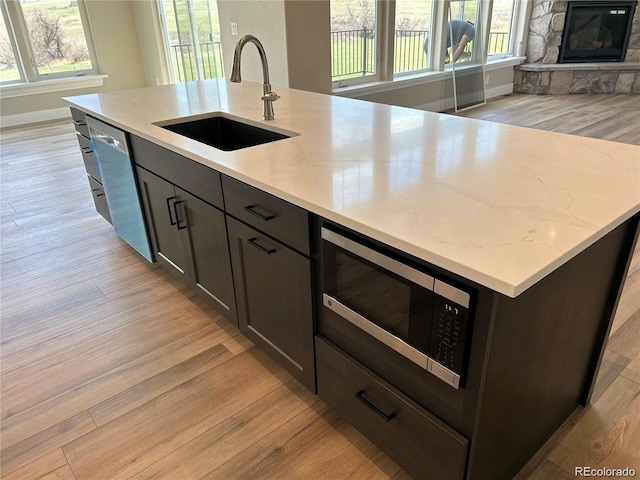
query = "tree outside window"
x=8 y=63
x=44 y=39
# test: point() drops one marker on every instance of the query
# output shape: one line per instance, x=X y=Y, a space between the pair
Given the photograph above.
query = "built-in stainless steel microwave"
x=424 y=318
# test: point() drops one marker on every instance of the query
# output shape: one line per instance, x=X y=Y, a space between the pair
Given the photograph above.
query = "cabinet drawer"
x=271 y=215
x=421 y=444
x=195 y=178
x=87 y=157
x=84 y=142
x=79 y=121
x=99 y=198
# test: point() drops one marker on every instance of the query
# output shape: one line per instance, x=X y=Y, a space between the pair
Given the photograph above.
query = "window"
x=45 y=39
x=192 y=36
x=462 y=30
x=412 y=28
x=502 y=17
x=388 y=39
x=353 y=40
x=8 y=62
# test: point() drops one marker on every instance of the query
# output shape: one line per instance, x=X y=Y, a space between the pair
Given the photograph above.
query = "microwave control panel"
x=449 y=331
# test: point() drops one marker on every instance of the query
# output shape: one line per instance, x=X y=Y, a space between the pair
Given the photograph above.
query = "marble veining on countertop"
x=500 y=205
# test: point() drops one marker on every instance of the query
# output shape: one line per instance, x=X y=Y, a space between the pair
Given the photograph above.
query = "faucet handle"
x=270 y=96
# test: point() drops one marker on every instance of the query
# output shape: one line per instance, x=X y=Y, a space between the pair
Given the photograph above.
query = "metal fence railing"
x=353 y=51
x=408 y=50
x=498 y=42
x=184 y=60
x=352 y=54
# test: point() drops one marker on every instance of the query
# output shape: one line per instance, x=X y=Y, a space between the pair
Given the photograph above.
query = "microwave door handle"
x=391 y=341
x=388 y=263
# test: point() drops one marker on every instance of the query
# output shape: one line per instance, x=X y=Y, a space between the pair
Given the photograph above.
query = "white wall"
x=266 y=21
x=294 y=33
x=150 y=41
x=308 y=46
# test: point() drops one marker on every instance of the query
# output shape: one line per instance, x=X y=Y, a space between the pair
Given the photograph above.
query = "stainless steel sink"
x=223 y=131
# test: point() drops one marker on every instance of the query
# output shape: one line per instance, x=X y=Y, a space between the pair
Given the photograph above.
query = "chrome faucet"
x=268 y=96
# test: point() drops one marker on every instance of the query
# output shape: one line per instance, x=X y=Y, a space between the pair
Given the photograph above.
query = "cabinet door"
x=162 y=208
x=273 y=291
x=206 y=239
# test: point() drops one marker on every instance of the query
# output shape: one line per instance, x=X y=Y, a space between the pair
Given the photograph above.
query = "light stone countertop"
x=500 y=205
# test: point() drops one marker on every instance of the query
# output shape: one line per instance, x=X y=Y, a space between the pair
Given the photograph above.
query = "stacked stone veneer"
x=542 y=74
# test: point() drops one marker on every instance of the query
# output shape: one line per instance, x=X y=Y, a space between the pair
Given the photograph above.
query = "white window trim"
x=28 y=70
x=422 y=78
x=519 y=33
x=53 y=85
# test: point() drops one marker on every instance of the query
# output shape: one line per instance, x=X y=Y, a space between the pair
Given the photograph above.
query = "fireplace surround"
x=542 y=72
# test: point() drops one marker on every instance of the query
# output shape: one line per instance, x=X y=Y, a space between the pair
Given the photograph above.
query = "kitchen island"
x=523 y=217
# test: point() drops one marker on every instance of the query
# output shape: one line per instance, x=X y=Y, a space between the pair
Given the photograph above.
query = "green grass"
x=71 y=28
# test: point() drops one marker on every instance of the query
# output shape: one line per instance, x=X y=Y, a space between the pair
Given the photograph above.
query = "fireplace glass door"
x=596 y=31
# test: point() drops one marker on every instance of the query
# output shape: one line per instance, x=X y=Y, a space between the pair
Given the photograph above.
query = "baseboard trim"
x=35 y=117
x=447 y=103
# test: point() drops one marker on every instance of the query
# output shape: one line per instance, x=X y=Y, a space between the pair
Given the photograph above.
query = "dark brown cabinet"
x=93 y=174
x=424 y=445
x=273 y=282
x=188 y=234
x=166 y=218
x=532 y=359
x=189 y=238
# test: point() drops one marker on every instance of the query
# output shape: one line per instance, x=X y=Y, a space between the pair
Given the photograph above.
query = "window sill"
x=49 y=86
x=416 y=79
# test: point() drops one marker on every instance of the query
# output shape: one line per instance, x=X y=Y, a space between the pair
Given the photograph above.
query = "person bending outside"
x=462 y=33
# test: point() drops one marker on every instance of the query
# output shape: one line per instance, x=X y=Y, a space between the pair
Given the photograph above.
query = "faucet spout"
x=268 y=96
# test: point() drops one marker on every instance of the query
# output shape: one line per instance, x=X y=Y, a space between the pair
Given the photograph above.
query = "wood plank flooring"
x=609 y=117
x=110 y=368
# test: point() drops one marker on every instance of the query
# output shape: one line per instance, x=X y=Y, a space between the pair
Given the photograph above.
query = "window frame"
x=516 y=36
x=383 y=8
x=18 y=34
x=429 y=63
x=386 y=78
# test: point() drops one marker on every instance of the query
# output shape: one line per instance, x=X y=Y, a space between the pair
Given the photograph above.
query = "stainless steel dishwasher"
x=116 y=169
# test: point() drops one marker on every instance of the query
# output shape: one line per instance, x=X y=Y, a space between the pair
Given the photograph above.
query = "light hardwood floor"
x=112 y=369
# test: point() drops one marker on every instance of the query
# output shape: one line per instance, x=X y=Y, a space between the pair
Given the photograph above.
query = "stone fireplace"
x=543 y=74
